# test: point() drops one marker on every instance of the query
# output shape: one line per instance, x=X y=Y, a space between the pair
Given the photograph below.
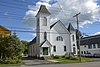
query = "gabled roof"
x=44 y=42
x=61 y=24
x=70 y=27
x=43 y=9
x=32 y=42
x=4 y=28
x=53 y=25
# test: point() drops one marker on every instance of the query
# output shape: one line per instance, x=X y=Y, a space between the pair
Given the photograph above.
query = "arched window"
x=59 y=38
x=44 y=21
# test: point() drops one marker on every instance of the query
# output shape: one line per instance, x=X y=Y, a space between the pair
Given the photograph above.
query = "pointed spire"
x=70 y=27
x=43 y=9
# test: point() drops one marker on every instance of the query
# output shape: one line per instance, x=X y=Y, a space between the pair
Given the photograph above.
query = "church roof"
x=44 y=42
x=32 y=42
x=70 y=27
x=43 y=9
x=53 y=25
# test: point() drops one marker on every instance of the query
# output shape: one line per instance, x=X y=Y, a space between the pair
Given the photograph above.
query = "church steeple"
x=43 y=9
x=70 y=27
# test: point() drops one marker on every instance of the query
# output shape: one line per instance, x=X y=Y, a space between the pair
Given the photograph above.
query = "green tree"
x=11 y=46
x=24 y=45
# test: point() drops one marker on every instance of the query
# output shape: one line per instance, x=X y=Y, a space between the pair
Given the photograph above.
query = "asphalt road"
x=88 y=64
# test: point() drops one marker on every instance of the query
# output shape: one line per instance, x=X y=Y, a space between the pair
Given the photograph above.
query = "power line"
x=19 y=5
x=8 y=13
x=17 y=27
x=24 y=2
x=30 y=31
x=14 y=7
x=11 y=17
x=7 y=2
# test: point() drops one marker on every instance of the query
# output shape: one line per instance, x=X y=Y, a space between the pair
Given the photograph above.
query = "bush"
x=67 y=57
x=9 y=61
x=56 y=57
x=42 y=58
x=73 y=58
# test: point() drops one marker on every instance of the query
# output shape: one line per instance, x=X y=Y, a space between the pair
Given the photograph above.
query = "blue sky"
x=12 y=13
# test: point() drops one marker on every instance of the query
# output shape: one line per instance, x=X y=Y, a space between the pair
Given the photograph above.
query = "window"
x=84 y=52
x=73 y=37
x=98 y=45
x=94 y=46
x=59 y=38
x=44 y=21
x=81 y=52
x=64 y=48
x=54 y=48
x=84 y=45
x=45 y=35
x=73 y=44
x=87 y=52
x=37 y=21
x=89 y=46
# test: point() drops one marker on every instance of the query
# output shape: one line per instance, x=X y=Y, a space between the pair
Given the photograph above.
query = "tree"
x=24 y=44
x=11 y=46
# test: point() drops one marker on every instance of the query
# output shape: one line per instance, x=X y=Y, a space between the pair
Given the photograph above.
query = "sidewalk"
x=31 y=61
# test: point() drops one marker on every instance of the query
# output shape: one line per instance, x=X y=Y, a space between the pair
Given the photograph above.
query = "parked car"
x=96 y=55
x=88 y=55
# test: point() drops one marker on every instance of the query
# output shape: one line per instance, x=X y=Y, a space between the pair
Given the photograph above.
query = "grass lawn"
x=62 y=60
x=19 y=64
x=11 y=64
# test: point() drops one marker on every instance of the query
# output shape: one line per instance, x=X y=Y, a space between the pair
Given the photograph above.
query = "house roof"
x=43 y=9
x=53 y=25
x=4 y=28
x=44 y=42
x=90 y=40
x=32 y=42
x=70 y=27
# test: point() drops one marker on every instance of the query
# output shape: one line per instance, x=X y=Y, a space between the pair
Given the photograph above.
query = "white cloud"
x=64 y=10
x=96 y=33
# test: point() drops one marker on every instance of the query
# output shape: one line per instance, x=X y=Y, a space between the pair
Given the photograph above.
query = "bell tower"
x=42 y=25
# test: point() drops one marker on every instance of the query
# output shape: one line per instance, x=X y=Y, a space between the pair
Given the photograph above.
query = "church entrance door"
x=45 y=50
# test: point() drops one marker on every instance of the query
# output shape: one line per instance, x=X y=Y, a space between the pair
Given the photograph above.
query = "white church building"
x=53 y=39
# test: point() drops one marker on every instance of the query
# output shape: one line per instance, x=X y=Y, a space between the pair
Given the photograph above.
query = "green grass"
x=11 y=64
x=19 y=64
x=62 y=60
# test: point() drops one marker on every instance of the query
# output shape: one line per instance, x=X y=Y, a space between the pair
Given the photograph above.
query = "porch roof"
x=47 y=43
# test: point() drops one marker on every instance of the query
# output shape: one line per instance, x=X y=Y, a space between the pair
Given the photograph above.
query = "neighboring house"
x=4 y=32
x=90 y=45
x=53 y=39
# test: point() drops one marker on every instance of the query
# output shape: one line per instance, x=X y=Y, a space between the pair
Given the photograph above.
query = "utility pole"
x=78 y=34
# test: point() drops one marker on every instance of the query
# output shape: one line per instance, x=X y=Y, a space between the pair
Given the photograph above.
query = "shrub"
x=9 y=61
x=73 y=58
x=56 y=57
x=42 y=58
x=67 y=57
